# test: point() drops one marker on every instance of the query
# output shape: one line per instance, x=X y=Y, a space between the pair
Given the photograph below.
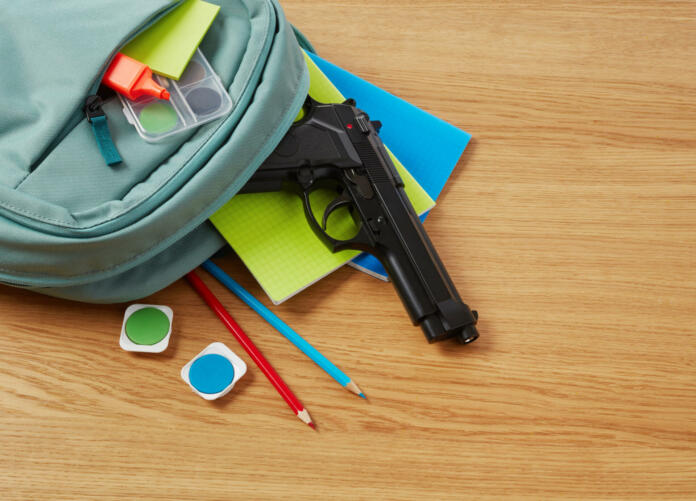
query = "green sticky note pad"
x=168 y=45
x=269 y=232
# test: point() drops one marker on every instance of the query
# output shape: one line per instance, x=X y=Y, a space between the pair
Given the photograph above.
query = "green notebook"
x=269 y=232
x=168 y=45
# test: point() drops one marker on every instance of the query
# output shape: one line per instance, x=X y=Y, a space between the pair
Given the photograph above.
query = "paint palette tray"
x=146 y=328
x=197 y=98
x=214 y=371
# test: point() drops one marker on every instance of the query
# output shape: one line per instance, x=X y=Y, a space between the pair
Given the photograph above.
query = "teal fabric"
x=304 y=41
x=70 y=225
x=104 y=141
x=52 y=53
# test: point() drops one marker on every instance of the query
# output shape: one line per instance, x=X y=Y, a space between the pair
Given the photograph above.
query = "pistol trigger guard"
x=361 y=241
x=316 y=228
x=341 y=201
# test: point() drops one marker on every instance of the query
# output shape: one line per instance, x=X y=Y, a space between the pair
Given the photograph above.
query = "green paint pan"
x=146 y=328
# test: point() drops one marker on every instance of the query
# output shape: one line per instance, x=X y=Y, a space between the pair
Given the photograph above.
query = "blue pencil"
x=282 y=327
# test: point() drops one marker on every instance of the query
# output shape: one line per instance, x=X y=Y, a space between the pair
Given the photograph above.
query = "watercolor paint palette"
x=146 y=328
x=214 y=371
x=197 y=98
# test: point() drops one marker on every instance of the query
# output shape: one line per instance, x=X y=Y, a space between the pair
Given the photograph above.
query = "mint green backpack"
x=72 y=226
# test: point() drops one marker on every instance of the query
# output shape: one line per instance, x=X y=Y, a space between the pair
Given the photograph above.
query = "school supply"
x=197 y=98
x=282 y=327
x=72 y=226
x=250 y=348
x=146 y=328
x=214 y=371
x=132 y=79
x=168 y=44
x=269 y=231
x=428 y=146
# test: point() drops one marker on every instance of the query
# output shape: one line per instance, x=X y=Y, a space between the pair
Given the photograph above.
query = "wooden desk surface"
x=569 y=224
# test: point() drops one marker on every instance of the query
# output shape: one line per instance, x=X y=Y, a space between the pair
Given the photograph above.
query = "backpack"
x=72 y=226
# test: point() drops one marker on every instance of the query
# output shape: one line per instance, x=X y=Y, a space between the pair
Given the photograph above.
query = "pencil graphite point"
x=305 y=417
x=314 y=427
x=355 y=389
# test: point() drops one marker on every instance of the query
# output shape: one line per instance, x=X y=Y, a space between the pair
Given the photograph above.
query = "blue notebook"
x=427 y=146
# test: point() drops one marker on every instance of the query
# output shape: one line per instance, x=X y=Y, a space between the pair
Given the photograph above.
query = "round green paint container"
x=146 y=328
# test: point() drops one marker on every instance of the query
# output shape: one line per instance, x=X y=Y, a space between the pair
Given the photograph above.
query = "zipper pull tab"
x=97 y=118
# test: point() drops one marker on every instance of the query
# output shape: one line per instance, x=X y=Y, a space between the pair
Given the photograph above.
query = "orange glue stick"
x=132 y=79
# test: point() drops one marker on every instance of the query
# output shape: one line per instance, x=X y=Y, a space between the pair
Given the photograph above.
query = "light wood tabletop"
x=569 y=224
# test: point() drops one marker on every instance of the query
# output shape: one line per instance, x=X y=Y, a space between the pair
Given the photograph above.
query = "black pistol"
x=337 y=146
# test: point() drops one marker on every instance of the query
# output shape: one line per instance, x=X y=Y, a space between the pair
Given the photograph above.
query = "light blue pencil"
x=283 y=328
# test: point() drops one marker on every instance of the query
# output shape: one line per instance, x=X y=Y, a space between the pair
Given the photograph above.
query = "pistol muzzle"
x=469 y=334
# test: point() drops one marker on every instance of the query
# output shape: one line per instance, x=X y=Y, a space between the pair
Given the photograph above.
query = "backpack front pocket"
x=72 y=191
x=53 y=55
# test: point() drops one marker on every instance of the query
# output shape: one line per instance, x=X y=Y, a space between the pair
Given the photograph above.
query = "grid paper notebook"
x=269 y=232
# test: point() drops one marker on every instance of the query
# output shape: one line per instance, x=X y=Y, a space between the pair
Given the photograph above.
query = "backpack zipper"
x=97 y=119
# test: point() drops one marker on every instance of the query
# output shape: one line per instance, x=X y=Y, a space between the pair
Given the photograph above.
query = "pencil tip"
x=312 y=425
x=351 y=386
x=305 y=417
x=362 y=395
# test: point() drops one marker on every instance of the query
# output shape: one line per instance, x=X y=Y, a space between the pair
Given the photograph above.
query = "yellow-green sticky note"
x=269 y=232
x=168 y=45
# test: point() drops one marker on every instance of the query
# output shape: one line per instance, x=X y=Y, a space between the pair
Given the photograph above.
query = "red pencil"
x=250 y=348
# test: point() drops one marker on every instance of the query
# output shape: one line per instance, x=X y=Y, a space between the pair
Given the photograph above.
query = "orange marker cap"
x=132 y=79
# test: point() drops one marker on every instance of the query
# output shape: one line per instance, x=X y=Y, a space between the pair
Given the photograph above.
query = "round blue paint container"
x=211 y=373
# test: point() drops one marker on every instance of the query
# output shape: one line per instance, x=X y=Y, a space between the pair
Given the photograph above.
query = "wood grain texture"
x=569 y=224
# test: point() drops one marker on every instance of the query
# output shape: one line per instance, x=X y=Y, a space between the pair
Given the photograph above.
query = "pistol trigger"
x=340 y=201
